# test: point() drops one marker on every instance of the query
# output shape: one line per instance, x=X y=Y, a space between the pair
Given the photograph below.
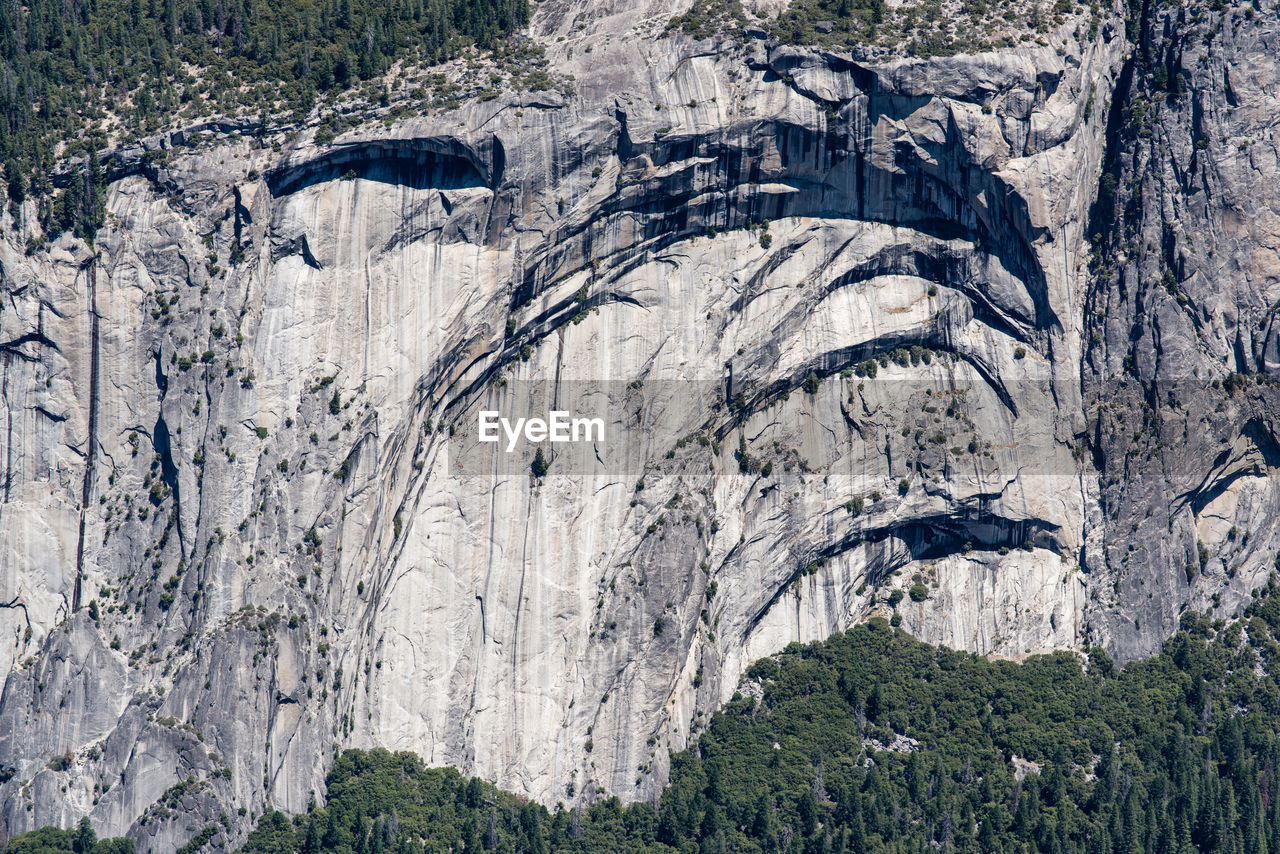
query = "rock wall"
x=245 y=521
x=1181 y=357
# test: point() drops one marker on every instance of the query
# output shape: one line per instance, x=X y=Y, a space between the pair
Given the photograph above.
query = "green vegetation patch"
x=82 y=73
x=710 y=18
x=874 y=742
x=913 y=28
x=82 y=840
x=1178 y=753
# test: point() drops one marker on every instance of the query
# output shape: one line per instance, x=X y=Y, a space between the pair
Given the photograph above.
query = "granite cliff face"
x=1182 y=347
x=243 y=522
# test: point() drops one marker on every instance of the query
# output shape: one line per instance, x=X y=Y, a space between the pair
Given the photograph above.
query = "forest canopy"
x=875 y=742
x=80 y=71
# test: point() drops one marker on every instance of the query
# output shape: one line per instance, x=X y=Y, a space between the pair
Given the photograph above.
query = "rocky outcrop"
x=257 y=394
x=1180 y=363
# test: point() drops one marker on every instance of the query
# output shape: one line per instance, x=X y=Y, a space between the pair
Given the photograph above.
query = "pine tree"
x=540 y=464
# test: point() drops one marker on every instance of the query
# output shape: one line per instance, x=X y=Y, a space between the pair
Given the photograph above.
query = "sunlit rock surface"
x=243 y=423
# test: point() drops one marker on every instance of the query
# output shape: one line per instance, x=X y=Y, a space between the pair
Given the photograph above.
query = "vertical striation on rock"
x=1180 y=364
